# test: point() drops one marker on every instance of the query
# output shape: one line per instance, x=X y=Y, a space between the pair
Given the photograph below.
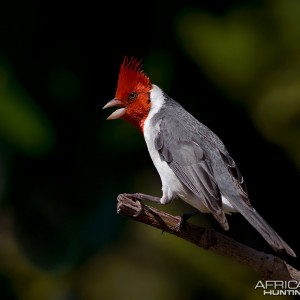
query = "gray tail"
x=268 y=233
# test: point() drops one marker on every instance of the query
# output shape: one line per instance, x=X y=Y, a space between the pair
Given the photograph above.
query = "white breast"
x=171 y=186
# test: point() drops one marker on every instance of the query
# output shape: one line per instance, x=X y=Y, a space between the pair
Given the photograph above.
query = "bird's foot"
x=137 y=197
x=142 y=197
x=137 y=206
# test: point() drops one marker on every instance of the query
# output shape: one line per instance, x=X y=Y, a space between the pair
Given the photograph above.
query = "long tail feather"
x=268 y=233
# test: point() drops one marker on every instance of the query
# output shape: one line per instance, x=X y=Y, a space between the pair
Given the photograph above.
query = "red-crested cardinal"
x=191 y=160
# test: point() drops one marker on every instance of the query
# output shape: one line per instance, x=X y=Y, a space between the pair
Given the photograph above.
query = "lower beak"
x=119 y=112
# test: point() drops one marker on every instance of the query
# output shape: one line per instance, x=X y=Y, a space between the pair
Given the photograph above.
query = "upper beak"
x=119 y=112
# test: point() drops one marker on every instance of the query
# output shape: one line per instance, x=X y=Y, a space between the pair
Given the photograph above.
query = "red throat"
x=137 y=112
x=133 y=80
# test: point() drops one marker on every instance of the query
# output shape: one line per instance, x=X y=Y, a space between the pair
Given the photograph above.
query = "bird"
x=191 y=160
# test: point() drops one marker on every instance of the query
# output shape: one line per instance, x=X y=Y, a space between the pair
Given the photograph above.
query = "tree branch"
x=269 y=267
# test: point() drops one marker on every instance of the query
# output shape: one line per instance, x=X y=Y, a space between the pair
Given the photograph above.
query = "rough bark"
x=270 y=267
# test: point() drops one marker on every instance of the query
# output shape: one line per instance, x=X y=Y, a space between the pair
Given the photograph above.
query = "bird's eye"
x=132 y=96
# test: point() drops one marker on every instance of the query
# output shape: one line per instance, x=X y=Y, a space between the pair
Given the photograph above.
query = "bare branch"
x=268 y=266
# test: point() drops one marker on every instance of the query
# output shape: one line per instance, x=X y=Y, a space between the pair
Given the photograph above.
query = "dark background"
x=233 y=65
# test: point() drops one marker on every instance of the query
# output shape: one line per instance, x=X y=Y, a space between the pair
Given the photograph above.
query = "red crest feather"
x=131 y=77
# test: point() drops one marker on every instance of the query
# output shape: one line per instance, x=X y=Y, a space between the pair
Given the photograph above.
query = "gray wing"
x=185 y=156
x=236 y=176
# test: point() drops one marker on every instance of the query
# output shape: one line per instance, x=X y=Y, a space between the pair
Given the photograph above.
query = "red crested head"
x=131 y=78
x=133 y=93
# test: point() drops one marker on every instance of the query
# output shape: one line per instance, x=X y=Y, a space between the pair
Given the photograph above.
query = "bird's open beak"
x=119 y=112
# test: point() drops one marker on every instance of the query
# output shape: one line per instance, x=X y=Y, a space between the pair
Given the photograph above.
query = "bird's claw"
x=139 y=208
x=135 y=204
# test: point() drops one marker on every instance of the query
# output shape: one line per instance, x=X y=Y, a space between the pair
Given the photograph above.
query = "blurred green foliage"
x=234 y=65
x=22 y=123
x=253 y=55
